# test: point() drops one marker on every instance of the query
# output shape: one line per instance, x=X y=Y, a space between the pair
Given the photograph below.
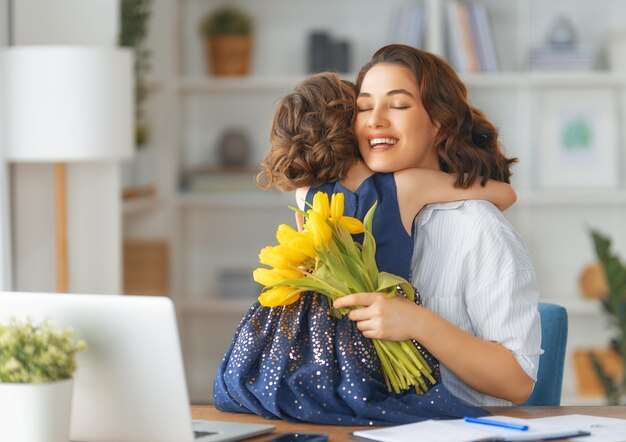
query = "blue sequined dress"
x=300 y=363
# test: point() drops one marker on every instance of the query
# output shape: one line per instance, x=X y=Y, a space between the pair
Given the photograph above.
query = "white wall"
x=93 y=190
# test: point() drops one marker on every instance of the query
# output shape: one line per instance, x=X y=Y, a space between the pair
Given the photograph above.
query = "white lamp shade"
x=65 y=103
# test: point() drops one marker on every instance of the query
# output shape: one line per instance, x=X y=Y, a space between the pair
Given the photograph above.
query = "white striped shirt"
x=472 y=269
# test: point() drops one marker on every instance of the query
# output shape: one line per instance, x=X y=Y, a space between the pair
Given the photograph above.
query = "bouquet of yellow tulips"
x=325 y=259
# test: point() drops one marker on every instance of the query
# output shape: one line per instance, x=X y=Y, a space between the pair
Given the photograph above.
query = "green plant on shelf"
x=226 y=20
x=135 y=15
x=614 y=304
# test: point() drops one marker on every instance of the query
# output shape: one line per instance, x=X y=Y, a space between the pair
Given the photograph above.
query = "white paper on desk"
x=602 y=429
x=460 y=431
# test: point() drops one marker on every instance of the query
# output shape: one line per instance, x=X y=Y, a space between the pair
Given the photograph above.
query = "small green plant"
x=615 y=305
x=135 y=15
x=37 y=353
x=226 y=20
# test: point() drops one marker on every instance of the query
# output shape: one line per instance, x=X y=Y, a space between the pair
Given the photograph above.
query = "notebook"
x=130 y=383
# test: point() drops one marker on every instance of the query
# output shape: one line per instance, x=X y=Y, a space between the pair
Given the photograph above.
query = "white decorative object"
x=36 y=412
x=66 y=103
x=578 y=139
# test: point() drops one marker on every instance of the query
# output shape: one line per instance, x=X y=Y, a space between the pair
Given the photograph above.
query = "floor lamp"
x=66 y=104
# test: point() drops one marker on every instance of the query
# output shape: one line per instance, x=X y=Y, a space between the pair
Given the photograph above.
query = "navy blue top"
x=394 y=246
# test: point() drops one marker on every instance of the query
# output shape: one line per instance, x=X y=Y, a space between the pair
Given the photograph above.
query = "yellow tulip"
x=336 y=205
x=318 y=226
x=278 y=296
x=285 y=233
x=272 y=256
x=320 y=205
x=267 y=277
x=304 y=242
x=293 y=255
x=352 y=225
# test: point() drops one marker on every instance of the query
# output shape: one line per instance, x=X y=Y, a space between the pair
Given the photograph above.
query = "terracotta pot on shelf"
x=587 y=380
x=229 y=54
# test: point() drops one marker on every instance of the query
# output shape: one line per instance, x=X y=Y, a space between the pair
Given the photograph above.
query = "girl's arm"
x=419 y=187
x=300 y=199
x=485 y=366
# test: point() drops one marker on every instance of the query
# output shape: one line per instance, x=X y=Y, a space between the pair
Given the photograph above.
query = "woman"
x=479 y=316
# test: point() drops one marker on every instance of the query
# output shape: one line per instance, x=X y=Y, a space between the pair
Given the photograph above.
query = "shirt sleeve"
x=502 y=294
x=506 y=312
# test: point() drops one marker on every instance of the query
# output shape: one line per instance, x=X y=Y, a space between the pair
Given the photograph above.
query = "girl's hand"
x=380 y=317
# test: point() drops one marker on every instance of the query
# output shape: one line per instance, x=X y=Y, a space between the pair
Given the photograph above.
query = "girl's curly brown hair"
x=311 y=137
x=466 y=142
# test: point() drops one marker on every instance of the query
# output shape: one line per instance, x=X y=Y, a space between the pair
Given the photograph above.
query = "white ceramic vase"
x=36 y=412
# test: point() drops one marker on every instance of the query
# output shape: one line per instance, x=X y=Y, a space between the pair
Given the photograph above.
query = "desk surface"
x=337 y=433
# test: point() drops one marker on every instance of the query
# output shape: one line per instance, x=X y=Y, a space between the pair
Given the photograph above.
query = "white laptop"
x=130 y=383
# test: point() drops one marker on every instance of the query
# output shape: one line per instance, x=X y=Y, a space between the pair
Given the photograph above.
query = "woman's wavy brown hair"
x=466 y=142
x=311 y=138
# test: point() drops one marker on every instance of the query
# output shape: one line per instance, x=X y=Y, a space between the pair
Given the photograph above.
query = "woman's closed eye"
x=363 y=109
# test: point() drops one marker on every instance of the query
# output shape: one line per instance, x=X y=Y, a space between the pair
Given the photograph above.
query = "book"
x=455 y=44
x=467 y=38
x=483 y=35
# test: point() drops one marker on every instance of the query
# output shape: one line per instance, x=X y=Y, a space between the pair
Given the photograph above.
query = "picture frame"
x=578 y=144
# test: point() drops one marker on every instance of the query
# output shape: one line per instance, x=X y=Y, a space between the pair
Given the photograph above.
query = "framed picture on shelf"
x=578 y=143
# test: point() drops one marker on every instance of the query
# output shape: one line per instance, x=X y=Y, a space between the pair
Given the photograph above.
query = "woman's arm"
x=485 y=366
x=419 y=187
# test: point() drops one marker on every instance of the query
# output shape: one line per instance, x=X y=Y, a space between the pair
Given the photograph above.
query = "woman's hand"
x=394 y=319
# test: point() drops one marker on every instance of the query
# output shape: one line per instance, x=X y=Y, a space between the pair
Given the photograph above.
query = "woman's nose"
x=376 y=119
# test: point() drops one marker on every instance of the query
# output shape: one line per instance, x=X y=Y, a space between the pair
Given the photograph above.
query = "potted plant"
x=228 y=42
x=135 y=16
x=613 y=380
x=37 y=362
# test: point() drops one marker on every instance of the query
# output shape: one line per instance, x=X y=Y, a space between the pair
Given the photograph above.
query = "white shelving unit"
x=213 y=232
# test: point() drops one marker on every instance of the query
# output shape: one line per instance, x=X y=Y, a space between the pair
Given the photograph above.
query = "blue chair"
x=547 y=390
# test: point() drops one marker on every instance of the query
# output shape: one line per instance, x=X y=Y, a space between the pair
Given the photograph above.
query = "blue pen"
x=510 y=426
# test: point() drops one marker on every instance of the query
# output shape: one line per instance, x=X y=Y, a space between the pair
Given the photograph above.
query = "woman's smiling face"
x=392 y=127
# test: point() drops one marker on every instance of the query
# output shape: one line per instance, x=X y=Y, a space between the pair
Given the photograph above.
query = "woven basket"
x=146 y=268
x=229 y=54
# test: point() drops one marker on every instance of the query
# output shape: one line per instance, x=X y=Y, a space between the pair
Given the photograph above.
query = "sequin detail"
x=300 y=363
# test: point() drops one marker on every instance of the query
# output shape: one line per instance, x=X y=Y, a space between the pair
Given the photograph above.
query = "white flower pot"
x=35 y=412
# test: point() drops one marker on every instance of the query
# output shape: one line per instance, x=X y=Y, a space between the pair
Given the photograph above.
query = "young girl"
x=477 y=283
x=312 y=148
x=298 y=362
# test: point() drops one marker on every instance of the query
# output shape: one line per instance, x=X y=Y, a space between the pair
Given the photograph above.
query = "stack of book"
x=471 y=46
x=408 y=26
x=220 y=179
x=563 y=58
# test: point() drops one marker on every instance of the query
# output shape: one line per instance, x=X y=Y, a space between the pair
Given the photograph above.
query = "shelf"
x=250 y=84
x=575 y=400
x=583 y=198
x=190 y=307
x=260 y=198
x=249 y=199
x=547 y=79
x=281 y=83
x=139 y=205
x=577 y=306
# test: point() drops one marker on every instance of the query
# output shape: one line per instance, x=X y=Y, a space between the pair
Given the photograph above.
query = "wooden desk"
x=337 y=433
